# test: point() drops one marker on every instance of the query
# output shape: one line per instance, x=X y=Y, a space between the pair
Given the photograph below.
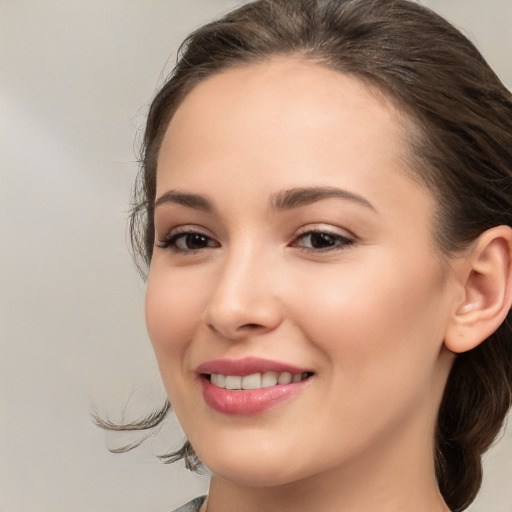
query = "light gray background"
x=75 y=81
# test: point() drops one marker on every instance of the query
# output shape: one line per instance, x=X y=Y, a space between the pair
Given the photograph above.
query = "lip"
x=241 y=402
x=247 y=402
x=247 y=366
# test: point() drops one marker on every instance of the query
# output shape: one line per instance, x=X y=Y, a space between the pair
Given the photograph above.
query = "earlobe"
x=487 y=291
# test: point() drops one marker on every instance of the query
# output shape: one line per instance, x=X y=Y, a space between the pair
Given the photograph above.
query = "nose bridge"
x=243 y=301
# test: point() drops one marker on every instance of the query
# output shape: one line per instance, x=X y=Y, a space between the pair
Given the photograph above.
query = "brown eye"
x=187 y=242
x=191 y=241
x=322 y=241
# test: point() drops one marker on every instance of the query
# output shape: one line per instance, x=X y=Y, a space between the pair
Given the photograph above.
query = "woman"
x=325 y=211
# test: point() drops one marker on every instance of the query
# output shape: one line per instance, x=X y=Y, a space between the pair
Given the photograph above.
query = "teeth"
x=284 y=378
x=251 y=381
x=233 y=382
x=256 y=380
x=268 y=379
x=218 y=380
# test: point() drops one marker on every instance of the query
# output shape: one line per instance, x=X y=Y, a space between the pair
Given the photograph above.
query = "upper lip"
x=246 y=366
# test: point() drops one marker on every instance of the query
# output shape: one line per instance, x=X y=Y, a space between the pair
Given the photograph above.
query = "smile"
x=250 y=386
x=256 y=380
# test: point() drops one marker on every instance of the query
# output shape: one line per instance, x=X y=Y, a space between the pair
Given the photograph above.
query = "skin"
x=369 y=316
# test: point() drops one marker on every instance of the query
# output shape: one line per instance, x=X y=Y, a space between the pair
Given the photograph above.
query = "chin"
x=252 y=466
x=247 y=474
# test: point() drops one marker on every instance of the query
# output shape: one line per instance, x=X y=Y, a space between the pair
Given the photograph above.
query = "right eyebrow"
x=195 y=201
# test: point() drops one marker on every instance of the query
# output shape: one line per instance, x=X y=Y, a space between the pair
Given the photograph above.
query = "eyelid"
x=345 y=240
x=165 y=241
x=341 y=240
x=327 y=229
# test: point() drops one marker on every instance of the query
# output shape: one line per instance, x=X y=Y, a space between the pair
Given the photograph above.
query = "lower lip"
x=248 y=402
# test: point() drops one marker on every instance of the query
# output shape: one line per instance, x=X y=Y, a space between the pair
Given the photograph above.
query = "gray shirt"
x=192 y=506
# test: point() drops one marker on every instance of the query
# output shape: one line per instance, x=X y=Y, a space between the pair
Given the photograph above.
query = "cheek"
x=379 y=335
x=173 y=308
x=371 y=320
x=172 y=311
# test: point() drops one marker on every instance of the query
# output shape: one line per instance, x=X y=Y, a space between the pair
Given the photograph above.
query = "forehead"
x=288 y=123
x=282 y=96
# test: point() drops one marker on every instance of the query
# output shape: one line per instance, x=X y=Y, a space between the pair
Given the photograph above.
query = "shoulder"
x=192 y=506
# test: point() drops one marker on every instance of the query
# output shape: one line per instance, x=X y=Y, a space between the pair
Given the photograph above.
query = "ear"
x=486 y=276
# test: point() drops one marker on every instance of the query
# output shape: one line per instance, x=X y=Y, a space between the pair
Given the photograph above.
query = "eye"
x=187 y=241
x=316 y=240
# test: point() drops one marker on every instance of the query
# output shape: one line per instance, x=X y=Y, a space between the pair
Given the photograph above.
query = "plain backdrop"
x=76 y=77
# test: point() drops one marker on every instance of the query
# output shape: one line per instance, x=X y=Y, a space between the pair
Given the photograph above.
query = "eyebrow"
x=281 y=201
x=195 y=201
x=297 y=197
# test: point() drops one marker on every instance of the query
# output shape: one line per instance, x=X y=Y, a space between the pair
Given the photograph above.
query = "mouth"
x=250 y=386
x=255 y=380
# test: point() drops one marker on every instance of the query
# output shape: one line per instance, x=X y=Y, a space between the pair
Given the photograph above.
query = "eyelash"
x=170 y=241
x=339 y=242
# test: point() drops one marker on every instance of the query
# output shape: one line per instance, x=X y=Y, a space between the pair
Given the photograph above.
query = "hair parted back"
x=461 y=150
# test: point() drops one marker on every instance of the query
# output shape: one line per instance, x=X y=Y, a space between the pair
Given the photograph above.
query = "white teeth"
x=256 y=380
x=251 y=381
x=233 y=382
x=284 y=378
x=218 y=380
x=268 y=379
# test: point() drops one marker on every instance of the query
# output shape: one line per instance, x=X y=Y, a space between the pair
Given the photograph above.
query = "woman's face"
x=290 y=240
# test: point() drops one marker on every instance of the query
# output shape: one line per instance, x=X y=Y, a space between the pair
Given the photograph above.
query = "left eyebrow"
x=297 y=197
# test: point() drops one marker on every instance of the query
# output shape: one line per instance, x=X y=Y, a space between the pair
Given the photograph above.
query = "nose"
x=245 y=298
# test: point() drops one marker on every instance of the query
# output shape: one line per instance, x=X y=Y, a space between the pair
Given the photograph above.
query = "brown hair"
x=462 y=151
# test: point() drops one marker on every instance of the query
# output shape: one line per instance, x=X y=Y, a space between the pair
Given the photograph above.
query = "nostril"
x=244 y=327
x=250 y=326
